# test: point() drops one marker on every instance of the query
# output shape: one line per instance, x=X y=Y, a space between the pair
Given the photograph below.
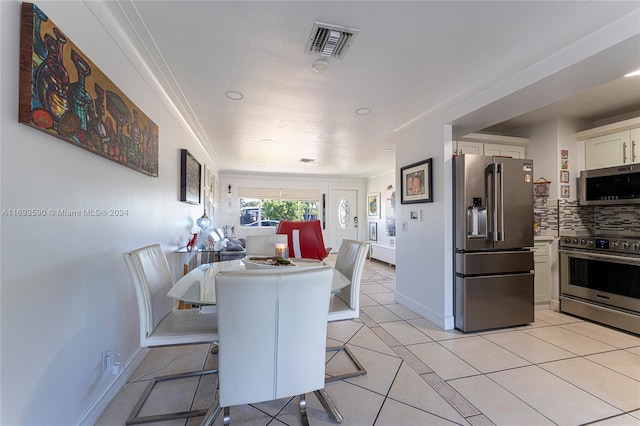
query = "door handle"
x=624 y=152
x=500 y=236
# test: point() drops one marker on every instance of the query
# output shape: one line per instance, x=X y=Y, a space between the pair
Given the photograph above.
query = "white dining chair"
x=161 y=324
x=264 y=245
x=345 y=305
x=272 y=336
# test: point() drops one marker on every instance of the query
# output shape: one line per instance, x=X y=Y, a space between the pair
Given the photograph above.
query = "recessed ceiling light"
x=633 y=74
x=363 y=111
x=320 y=65
x=233 y=95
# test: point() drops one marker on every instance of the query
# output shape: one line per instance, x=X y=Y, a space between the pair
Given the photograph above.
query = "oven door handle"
x=598 y=256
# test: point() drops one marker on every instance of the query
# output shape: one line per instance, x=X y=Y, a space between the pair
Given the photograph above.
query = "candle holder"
x=282 y=251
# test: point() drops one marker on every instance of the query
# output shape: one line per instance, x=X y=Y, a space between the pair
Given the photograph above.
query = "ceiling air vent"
x=330 y=40
x=307 y=160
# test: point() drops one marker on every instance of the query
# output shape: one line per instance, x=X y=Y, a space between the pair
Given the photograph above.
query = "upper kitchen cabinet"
x=611 y=145
x=490 y=145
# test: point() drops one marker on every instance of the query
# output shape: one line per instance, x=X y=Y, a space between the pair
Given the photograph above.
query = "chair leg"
x=227 y=417
x=328 y=405
x=303 y=410
x=133 y=417
x=212 y=414
x=360 y=370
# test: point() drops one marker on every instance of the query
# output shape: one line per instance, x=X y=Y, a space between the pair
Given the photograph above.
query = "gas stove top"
x=603 y=243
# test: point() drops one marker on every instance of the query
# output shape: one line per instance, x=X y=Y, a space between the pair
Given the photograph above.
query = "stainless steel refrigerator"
x=493 y=224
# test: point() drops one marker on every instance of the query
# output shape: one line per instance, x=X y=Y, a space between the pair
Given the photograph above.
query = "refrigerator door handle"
x=500 y=196
x=491 y=180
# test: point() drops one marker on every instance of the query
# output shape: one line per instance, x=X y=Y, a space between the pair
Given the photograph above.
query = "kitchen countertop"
x=543 y=238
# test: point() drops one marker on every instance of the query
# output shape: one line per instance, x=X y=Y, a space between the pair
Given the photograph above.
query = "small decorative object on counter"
x=192 y=242
x=282 y=250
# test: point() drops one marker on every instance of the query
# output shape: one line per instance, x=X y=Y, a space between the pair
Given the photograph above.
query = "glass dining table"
x=198 y=287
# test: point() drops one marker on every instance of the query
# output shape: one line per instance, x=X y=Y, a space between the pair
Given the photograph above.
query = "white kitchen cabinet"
x=383 y=252
x=542 y=265
x=464 y=147
x=612 y=150
x=504 y=150
x=487 y=144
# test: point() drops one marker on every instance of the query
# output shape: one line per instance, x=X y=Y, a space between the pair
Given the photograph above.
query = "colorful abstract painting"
x=64 y=94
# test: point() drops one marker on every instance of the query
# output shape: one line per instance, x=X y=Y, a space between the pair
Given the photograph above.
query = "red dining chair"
x=304 y=239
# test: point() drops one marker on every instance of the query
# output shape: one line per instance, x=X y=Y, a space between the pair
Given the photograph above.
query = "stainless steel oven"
x=600 y=280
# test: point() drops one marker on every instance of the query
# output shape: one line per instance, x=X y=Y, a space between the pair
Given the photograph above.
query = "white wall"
x=423 y=249
x=65 y=292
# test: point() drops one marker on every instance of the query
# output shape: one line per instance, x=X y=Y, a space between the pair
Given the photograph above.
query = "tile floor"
x=559 y=370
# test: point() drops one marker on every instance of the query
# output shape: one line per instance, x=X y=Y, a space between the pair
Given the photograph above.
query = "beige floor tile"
x=624 y=362
x=555 y=318
x=570 y=341
x=404 y=332
x=620 y=391
x=635 y=414
x=635 y=350
x=528 y=347
x=380 y=314
x=500 y=406
x=603 y=334
x=342 y=331
x=370 y=289
x=386 y=298
x=381 y=370
x=245 y=415
x=433 y=331
x=623 y=420
x=367 y=301
x=535 y=324
x=171 y=360
x=401 y=311
x=483 y=355
x=358 y=406
x=395 y=413
x=409 y=388
x=366 y=338
x=553 y=397
x=120 y=407
x=442 y=361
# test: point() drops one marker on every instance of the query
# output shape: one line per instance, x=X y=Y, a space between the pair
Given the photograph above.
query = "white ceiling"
x=408 y=59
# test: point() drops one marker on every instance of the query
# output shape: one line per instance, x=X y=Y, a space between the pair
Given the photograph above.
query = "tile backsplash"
x=575 y=219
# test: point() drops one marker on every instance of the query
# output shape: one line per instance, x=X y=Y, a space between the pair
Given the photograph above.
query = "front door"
x=342 y=213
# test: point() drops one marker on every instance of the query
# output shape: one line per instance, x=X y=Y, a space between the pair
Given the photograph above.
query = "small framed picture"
x=564 y=154
x=415 y=183
x=564 y=176
x=564 y=164
x=373 y=205
x=373 y=231
x=565 y=191
x=415 y=215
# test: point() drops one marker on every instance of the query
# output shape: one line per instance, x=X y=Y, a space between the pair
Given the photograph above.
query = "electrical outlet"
x=107 y=360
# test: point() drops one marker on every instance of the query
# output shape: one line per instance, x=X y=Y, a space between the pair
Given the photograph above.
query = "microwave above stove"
x=610 y=186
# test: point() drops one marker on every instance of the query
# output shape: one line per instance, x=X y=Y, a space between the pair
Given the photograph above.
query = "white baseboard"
x=93 y=412
x=447 y=323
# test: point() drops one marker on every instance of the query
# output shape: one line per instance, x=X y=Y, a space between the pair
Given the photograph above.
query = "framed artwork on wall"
x=416 y=185
x=63 y=93
x=373 y=205
x=190 y=178
x=373 y=231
